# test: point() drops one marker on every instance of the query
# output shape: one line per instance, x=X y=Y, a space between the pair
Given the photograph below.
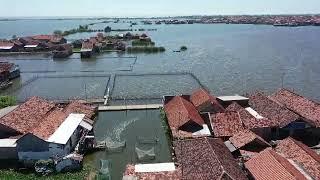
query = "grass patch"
x=16 y=175
x=6 y=101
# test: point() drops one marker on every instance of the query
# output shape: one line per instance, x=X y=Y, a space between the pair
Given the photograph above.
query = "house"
x=8 y=71
x=308 y=110
x=206 y=159
x=55 y=39
x=88 y=49
x=284 y=119
x=269 y=165
x=301 y=154
x=225 y=125
x=183 y=118
x=204 y=102
x=62 y=51
x=33 y=46
x=45 y=130
x=247 y=143
x=7 y=46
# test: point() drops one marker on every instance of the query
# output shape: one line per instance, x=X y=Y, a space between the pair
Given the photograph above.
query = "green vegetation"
x=15 y=175
x=57 y=32
x=6 y=101
x=183 y=48
x=107 y=29
x=142 y=43
x=145 y=49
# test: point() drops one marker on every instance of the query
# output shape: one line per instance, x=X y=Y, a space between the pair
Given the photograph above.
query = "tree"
x=57 y=32
x=14 y=37
x=6 y=101
x=107 y=29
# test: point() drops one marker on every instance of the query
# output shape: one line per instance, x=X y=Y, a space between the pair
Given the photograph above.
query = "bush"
x=6 y=101
x=57 y=32
x=142 y=43
x=145 y=49
x=183 y=48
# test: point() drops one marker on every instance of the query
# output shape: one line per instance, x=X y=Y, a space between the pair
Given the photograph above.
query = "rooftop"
x=268 y=165
x=202 y=97
x=226 y=124
x=132 y=171
x=301 y=154
x=206 y=158
x=306 y=108
x=245 y=137
x=278 y=115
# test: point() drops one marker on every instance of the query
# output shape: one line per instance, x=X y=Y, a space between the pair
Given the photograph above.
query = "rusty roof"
x=81 y=108
x=268 y=165
x=302 y=154
x=248 y=120
x=268 y=108
x=306 y=108
x=5 y=66
x=206 y=159
x=202 y=97
x=226 y=124
x=180 y=111
x=170 y=175
x=28 y=115
x=245 y=137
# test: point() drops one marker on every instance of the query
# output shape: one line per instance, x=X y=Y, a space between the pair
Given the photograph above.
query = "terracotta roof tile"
x=206 y=159
x=202 y=98
x=300 y=153
x=272 y=110
x=248 y=120
x=180 y=111
x=245 y=137
x=5 y=66
x=268 y=165
x=82 y=108
x=87 y=45
x=28 y=115
x=306 y=108
x=226 y=124
x=171 y=175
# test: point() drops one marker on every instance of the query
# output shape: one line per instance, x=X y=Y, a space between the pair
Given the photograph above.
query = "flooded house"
x=88 y=49
x=8 y=71
x=206 y=158
x=62 y=51
x=205 y=102
x=44 y=130
x=7 y=46
x=183 y=118
x=54 y=39
x=270 y=165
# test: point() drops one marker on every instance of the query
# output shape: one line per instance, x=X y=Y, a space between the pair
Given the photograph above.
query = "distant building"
x=205 y=102
x=7 y=46
x=55 y=39
x=8 y=71
x=206 y=159
x=88 y=49
x=62 y=51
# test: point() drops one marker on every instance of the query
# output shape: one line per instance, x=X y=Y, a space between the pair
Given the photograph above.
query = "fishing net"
x=114 y=146
x=144 y=155
x=104 y=172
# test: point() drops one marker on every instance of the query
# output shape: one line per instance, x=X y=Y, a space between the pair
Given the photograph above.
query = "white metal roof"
x=254 y=113
x=233 y=98
x=203 y=132
x=31 y=46
x=159 y=167
x=85 y=50
x=230 y=146
x=86 y=125
x=6 y=47
x=66 y=129
x=8 y=143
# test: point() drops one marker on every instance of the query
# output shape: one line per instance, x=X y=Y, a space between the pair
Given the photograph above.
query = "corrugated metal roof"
x=86 y=125
x=31 y=46
x=159 y=167
x=66 y=129
x=6 y=47
x=254 y=113
x=233 y=98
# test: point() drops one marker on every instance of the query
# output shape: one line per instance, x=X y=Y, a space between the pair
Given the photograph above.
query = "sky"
x=152 y=8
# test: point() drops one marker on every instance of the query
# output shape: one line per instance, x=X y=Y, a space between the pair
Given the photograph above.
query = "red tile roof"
x=301 y=154
x=170 y=175
x=28 y=115
x=179 y=111
x=245 y=137
x=206 y=159
x=42 y=37
x=87 y=45
x=81 y=108
x=306 y=108
x=268 y=165
x=5 y=66
x=248 y=120
x=201 y=98
x=226 y=124
x=267 y=108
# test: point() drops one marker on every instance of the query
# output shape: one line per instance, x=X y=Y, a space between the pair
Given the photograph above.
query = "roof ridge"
x=303 y=147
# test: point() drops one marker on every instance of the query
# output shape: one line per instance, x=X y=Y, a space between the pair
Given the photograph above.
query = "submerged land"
x=145 y=99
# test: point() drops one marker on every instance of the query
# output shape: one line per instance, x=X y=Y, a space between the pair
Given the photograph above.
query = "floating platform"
x=130 y=107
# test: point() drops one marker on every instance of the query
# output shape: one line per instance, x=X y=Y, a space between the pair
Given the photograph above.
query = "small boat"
x=5 y=84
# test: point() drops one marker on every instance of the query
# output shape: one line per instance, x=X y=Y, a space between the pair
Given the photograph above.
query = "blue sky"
x=137 y=8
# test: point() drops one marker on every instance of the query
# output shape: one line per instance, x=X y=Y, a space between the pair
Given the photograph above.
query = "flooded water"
x=131 y=127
